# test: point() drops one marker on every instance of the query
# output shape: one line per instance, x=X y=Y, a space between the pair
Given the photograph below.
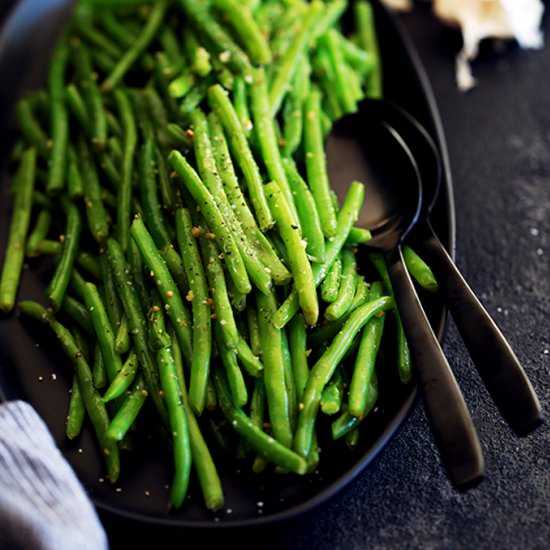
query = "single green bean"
x=331 y=283
x=368 y=40
x=420 y=271
x=59 y=121
x=203 y=464
x=333 y=394
x=76 y=412
x=31 y=129
x=307 y=212
x=128 y=411
x=99 y=374
x=315 y=160
x=97 y=216
x=39 y=232
x=202 y=329
x=300 y=266
x=75 y=185
x=19 y=227
x=297 y=339
x=274 y=371
x=71 y=242
x=365 y=360
x=124 y=378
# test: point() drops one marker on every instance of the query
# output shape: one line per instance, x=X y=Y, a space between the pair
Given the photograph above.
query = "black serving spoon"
x=496 y=362
x=363 y=146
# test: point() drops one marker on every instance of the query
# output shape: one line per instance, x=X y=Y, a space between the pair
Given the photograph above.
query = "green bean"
x=76 y=412
x=94 y=407
x=233 y=373
x=238 y=202
x=297 y=338
x=346 y=218
x=203 y=464
x=263 y=443
x=39 y=232
x=75 y=185
x=128 y=411
x=181 y=85
x=179 y=427
x=315 y=160
x=240 y=101
x=333 y=394
x=274 y=371
x=368 y=40
x=331 y=283
x=223 y=235
x=136 y=320
x=266 y=136
x=31 y=129
x=404 y=365
x=126 y=114
x=307 y=212
x=216 y=37
x=77 y=312
x=91 y=94
x=78 y=107
x=300 y=266
x=96 y=40
x=346 y=290
x=202 y=330
x=97 y=216
x=132 y=54
x=365 y=360
x=419 y=270
x=103 y=329
x=287 y=65
x=293 y=120
x=152 y=210
x=329 y=17
x=71 y=242
x=248 y=359
x=357 y=236
x=323 y=370
x=19 y=227
x=219 y=293
x=59 y=121
x=222 y=106
x=99 y=374
x=241 y=20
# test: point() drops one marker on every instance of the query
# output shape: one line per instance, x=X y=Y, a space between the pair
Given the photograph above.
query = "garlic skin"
x=480 y=19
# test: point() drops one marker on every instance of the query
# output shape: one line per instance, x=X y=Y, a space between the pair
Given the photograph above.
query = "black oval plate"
x=32 y=370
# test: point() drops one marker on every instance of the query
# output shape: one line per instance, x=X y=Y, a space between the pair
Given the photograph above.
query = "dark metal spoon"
x=491 y=354
x=362 y=146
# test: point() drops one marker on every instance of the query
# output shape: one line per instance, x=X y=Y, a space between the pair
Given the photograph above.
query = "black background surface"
x=498 y=136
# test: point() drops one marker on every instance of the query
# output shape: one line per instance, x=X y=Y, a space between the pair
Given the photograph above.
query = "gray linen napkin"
x=43 y=506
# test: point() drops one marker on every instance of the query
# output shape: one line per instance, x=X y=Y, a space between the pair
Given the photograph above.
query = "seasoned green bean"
x=346 y=290
x=19 y=226
x=419 y=270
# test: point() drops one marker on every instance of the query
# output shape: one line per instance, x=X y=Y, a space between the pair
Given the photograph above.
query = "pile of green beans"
x=205 y=276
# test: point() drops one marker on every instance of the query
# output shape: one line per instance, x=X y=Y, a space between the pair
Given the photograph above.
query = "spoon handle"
x=491 y=354
x=450 y=419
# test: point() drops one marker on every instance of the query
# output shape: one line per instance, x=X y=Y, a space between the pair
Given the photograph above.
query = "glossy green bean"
x=19 y=227
x=198 y=294
x=76 y=412
x=128 y=411
x=419 y=270
x=331 y=283
x=346 y=290
x=124 y=378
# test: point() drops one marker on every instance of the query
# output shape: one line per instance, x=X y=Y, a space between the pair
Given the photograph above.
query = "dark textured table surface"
x=498 y=137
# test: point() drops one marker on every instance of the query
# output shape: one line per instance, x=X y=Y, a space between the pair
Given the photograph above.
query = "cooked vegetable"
x=206 y=266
